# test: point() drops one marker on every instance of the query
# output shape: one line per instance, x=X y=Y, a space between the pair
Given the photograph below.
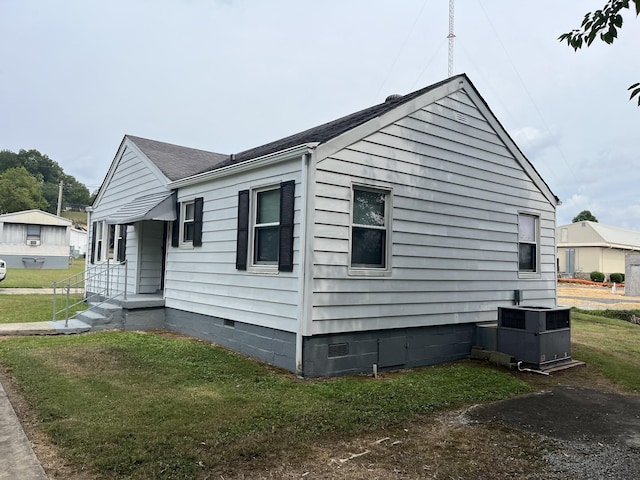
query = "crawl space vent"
x=338 y=350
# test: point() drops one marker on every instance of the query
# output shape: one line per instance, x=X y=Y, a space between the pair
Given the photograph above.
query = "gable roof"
x=605 y=236
x=368 y=120
x=176 y=162
x=35 y=217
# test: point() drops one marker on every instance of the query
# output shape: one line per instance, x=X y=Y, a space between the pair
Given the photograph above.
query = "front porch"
x=130 y=312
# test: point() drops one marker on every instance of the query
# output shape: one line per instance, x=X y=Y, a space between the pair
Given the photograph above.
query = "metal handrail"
x=105 y=282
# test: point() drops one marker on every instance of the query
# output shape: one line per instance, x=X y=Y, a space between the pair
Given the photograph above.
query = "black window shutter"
x=287 y=197
x=242 y=242
x=175 y=229
x=122 y=244
x=94 y=243
x=198 y=205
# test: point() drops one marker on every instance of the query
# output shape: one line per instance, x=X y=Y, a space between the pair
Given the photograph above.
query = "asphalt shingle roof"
x=329 y=130
x=177 y=162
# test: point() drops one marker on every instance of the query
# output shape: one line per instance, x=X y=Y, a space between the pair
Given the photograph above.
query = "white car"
x=3 y=269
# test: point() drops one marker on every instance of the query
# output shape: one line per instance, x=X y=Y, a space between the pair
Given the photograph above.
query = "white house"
x=383 y=237
x=78 y=242
x=34 y=239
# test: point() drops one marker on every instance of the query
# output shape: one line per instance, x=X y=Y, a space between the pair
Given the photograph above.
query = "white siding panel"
x=132 y=178
x=205 y=279
x=457 y=192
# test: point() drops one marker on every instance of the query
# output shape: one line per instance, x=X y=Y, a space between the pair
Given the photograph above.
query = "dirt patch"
x=595 y=297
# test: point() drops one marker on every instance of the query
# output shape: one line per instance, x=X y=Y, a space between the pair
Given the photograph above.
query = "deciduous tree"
x=584 y=216
x=604 y=24
x=20 y=191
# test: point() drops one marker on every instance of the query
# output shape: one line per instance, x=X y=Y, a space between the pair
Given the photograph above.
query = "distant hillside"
x=78 y=218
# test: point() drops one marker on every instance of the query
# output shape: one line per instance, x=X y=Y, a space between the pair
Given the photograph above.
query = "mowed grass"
x=131 y=405
x=612 y=345
x=34 y=308
x=34 y=278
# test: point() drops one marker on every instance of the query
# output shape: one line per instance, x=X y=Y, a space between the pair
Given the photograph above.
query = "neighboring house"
x=34 y=239
x=381 y=238
x=78 y=242
x=584 y=247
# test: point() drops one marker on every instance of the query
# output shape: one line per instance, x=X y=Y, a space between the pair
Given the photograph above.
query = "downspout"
x=302 y=275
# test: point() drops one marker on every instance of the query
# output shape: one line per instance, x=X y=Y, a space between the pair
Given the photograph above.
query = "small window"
x=369 y=228
x=267 y=227
x=188 y=223
x=33 y=232
x=187 y=228
x=527 y=243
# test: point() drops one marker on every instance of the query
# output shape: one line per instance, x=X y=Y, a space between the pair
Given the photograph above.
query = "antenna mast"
x=451 y=37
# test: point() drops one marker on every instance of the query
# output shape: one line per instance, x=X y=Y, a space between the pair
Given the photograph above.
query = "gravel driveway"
x=594 y=435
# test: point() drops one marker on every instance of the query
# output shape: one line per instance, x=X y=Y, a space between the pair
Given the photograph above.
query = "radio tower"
x=451 y=37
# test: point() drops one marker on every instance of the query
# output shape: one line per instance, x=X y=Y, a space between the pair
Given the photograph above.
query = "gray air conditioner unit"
x=537 y=336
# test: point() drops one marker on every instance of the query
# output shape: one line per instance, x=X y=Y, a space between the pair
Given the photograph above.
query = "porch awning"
x=156 y=206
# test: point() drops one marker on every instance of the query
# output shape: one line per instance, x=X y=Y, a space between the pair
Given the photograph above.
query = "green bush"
x=597 y=276
x=616 y=277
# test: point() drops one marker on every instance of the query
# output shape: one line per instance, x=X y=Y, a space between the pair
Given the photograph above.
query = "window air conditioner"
x=33 y=243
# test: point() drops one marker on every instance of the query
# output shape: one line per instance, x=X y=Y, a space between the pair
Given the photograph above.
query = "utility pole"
x=59 y=198
x=451 y=37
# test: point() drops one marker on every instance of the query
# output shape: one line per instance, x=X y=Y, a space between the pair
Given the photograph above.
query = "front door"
x=152 y=253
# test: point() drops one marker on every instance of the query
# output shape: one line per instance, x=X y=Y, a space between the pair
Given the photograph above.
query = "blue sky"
x=77 y=75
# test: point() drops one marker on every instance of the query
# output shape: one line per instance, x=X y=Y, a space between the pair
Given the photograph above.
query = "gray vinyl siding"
x=457 y=191
x=204 y=280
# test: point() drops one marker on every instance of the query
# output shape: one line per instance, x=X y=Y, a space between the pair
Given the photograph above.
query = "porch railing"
x=105 y=281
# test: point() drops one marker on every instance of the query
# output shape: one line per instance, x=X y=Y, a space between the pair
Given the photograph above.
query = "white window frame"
x=536 y=243
x=254 y=266
x=98 y=242
x=107 y=252
x=184 y=220
x=371 y=270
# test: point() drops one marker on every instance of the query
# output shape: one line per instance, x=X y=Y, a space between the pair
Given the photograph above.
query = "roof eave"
x=250 y=164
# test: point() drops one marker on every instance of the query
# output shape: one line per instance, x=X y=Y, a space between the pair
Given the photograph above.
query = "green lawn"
x=131 y=405
x=33 y=308
x=612 y=345
x=128 y=405
x=33 y=278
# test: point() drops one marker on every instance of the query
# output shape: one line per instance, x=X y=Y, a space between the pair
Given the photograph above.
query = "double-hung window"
x=187 y=225
x=265 y=228
x=187 y=228
x=370 y=228
x=527 y=243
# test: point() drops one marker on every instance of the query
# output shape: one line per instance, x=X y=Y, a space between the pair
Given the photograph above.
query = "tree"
x=584 y=216
x=48 y=175
x=20 y=191
x=605 y=24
